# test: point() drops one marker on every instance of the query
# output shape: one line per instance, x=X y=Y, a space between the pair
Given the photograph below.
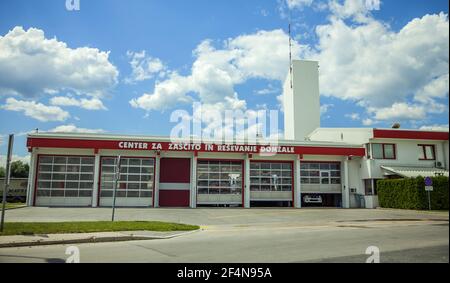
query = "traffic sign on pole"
x=429 y=189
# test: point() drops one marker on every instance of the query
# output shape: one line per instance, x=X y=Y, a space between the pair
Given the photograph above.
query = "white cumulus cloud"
x=36 y=110
x=32 y=65
x=216 y=72
x=88 y=104
x=441 y=128
x=298 y=3
x=144 y=67
x=394 y=75
x=71 y=128
x=399 y=111
x=25 y=159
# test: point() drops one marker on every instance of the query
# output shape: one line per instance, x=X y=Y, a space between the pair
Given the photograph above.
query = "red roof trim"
x=165 y=146
x=411 y=135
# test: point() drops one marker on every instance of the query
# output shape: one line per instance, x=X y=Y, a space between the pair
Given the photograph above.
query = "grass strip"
x=33 y=228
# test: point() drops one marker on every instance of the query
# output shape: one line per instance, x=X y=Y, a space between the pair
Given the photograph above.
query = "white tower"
x=301 y=100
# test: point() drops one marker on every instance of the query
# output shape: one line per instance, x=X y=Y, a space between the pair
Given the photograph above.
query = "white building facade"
x=313 y=166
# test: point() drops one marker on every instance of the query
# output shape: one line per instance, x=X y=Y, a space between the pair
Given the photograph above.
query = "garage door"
x=135 y=187
x=64 y=181
x=219 y=182
x=321 y=183
x=271 y=182
x=174 y=182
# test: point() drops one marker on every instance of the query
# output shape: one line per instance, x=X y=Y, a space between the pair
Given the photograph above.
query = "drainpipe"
x=96 y=179
x=247 y=182
x=157 y=170
x=297 y=184
x=194 y=180
x=31 y=178
x=346 y=199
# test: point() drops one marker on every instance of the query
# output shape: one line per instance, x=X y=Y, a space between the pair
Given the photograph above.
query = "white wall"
x=302 y=103
x=347 y=135
x=446 y=153
x=407 y=155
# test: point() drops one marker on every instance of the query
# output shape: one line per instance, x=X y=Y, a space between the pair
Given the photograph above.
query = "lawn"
x=13 y=205
x=16 y=228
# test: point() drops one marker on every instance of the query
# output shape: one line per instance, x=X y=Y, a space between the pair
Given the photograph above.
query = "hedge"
x=410 y=193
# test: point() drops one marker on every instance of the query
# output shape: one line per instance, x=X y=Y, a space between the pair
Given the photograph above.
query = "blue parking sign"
x=428 y=182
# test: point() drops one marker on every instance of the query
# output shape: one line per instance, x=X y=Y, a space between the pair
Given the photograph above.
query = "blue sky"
x=124 y=66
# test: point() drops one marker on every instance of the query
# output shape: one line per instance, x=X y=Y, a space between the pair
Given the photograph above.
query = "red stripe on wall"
x=165 y=146
x=412 y=135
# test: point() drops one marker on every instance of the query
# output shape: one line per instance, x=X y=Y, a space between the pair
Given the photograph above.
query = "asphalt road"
x=413 y=238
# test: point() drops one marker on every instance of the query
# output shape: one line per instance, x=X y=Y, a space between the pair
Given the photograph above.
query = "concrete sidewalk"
x=80 y=238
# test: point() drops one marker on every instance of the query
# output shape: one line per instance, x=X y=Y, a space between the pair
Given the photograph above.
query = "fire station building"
x=311 y=166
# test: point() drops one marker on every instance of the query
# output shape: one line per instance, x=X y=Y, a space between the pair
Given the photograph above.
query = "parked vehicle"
x=312 y=199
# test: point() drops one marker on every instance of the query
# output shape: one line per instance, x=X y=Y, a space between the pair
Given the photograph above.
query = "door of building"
x=174 y=182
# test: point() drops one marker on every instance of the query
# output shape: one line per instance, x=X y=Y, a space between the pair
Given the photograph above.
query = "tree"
x=19 y=169
x=2 y=172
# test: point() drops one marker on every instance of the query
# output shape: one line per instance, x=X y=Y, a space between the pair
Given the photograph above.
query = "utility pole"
x=7 y=179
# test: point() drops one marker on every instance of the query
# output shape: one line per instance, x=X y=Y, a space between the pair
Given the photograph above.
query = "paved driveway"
x=221 y=216
x=256 y=235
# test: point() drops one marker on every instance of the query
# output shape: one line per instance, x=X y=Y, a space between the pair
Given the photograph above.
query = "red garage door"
x=174 y=182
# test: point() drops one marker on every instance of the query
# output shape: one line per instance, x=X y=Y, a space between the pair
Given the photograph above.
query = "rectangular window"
x=136 y=177
x=383 y=151
x=368 y=187
x=219 y=177
x=65 y=176
x=427 y=152
x=325 y=173
x=271 y=176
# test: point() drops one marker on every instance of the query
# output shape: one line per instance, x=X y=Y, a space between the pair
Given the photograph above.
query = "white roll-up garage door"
x=135 y=187
x=65 y=180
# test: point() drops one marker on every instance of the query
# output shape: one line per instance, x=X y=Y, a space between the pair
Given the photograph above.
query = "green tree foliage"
x=18 y=170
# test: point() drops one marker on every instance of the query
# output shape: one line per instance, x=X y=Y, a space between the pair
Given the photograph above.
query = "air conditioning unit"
x=438 y=164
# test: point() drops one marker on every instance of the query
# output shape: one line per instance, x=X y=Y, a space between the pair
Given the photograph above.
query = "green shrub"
x=410 y=193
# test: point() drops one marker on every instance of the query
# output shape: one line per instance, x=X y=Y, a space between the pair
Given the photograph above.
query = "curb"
x=413 y=210
x=93 y=240
x=13 y=208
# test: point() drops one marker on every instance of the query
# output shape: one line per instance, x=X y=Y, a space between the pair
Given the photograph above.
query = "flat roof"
x=97 y=136
x=153 y=143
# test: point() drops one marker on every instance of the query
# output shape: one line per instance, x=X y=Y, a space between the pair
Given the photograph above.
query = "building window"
x=383 y=151
x=370 y=186
x=65 y=176
x=219 y=177
x=270 y=177
x=427 y=152
x=136 y=177
x=320 y=173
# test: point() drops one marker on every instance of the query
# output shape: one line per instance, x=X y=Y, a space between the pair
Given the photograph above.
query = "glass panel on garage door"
x=135 y=186
x=219 y=182
x=271 y=181
x=65 y=181
x=321 y=183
